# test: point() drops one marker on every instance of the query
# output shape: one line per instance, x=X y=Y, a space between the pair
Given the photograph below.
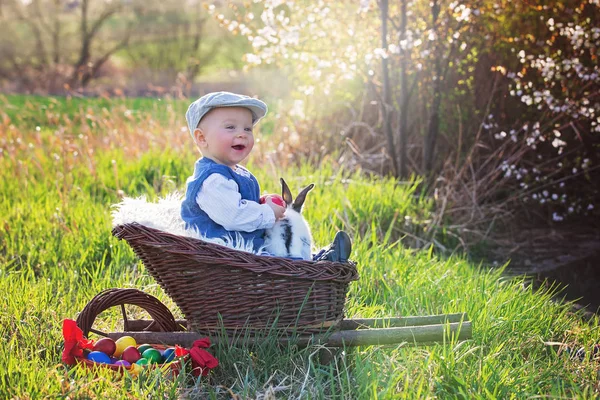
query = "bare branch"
x=40 y=16
x=106 y=14
x=35 y=30
x=104 y=58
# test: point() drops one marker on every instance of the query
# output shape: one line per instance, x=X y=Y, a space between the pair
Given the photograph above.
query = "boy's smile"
x=225 y=135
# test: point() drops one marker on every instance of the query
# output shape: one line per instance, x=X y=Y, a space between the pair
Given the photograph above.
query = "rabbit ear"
x=285 y=192
x=297 y=206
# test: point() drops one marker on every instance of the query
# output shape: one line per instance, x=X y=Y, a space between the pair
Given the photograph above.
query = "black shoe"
x=339 y=250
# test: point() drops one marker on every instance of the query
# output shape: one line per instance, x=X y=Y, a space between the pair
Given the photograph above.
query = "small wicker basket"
x=163 y=320
x=218 y=288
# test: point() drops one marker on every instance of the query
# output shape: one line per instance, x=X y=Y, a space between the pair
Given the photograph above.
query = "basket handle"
x=119 y=297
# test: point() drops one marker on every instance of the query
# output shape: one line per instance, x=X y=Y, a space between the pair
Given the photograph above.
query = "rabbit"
x=290 y=236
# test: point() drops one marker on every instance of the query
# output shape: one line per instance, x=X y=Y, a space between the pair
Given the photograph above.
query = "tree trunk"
x=56 y=33
x=386 y=104
x=84 y=53
x=194 y=69
x=403 y=128
x=434 y=119
x=85 y=70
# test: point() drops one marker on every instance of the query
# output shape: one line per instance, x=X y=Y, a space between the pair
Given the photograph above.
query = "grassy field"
x=64 y=162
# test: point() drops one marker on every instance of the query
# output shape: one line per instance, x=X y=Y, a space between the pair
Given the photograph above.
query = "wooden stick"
x=362 y=337
x=352 y=324
x=346 y=324
x=408 y=334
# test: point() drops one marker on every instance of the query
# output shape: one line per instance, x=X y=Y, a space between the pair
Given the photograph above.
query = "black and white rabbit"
x=290 y=236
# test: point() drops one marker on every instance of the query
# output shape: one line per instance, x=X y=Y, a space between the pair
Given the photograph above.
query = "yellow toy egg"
x=122 y=343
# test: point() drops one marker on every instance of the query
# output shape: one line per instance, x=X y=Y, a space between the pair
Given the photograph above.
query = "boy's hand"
x=277 y=210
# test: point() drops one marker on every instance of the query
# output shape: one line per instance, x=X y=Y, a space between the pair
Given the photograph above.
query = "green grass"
x=56 y=111
x=56 y=253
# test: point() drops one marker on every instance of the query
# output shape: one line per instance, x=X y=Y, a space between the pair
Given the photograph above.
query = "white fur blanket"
x=164 y=215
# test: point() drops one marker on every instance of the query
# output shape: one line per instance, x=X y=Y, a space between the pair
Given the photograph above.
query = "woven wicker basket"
x=108 y=298
x=218 y=288
x=163 y=320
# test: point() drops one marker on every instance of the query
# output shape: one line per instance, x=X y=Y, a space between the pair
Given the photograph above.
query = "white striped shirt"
x=220 y=198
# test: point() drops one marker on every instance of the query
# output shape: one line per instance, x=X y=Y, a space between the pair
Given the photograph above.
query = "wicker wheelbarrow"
x=228 y=294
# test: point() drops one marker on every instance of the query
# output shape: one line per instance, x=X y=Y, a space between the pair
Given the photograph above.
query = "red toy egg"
x=105 y=345
x=131 y=354
x=277 y=199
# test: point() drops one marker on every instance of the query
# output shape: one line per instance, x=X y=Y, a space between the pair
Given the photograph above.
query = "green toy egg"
x=142 y=361
x=143 y=347
x=152 y=355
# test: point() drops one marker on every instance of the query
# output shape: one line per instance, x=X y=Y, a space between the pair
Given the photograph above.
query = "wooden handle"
x=363 y=337
x=394 y=322
x=346 y=324
x=405 y=334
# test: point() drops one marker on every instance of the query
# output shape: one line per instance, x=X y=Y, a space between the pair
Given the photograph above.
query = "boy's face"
x=225 y=135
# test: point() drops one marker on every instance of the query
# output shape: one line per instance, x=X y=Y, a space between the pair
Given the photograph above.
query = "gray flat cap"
x=204 y=104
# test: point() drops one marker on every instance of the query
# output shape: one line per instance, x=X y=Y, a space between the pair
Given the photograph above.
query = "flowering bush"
x=557 y=80
x=540 y=146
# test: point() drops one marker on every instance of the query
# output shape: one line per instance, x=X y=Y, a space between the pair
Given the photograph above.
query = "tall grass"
x=56 y=252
